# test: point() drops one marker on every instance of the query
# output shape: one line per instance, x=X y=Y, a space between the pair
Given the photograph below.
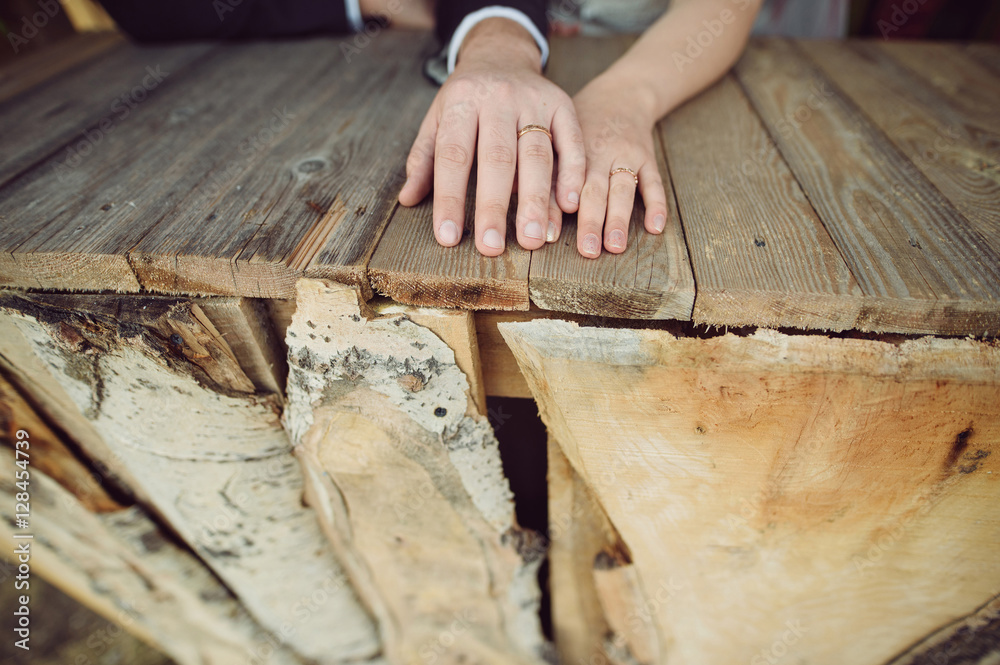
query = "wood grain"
x=952 y=136
x=777 y=483
x=918 y=261
x=411 y=267
x=245 y=325
x=579 y=532
x=310 y=197
x=65 y=55
x=987 y=54
x=652 y=278
x=183 y=146
x=70 y=106
x=761 y=255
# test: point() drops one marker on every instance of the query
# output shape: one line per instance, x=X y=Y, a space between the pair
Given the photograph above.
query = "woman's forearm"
x=685 y=51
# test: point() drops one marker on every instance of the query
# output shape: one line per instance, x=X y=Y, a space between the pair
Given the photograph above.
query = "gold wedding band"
x=533 y=128
x=623 y=169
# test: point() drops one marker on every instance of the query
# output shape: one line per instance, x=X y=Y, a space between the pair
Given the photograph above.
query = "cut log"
x=50 y=454
x=780 y=492
x=122 y=566
x=213 y=461
x=408 y=485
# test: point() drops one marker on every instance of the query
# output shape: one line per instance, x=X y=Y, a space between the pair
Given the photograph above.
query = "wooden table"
x=192 y=238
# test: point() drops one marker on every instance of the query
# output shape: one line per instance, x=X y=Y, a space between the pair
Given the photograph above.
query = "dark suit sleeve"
x=153 y=20
x=449 y=13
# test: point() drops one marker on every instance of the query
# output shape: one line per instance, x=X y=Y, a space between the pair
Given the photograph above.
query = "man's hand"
x=401 y=14
x=496 y=89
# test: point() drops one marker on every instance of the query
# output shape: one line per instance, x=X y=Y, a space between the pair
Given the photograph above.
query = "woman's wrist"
x=636 y=98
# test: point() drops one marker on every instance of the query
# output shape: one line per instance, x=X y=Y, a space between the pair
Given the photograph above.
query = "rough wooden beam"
x=245 y=324
x=405 y=475
x=784 y=491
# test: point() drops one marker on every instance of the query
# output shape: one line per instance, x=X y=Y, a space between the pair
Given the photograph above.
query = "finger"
x=567 y=139
x=653 y=197
x=554 y=226
x=534 y=186
x=497 y=154
x=593 y=205
x=453 y=151
x=621 y=199
x=420 y=162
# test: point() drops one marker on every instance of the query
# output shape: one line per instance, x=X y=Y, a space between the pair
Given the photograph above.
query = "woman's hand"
x=617 y=120
x=497 y=89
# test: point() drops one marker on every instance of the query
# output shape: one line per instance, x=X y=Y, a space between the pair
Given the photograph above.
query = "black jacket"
x=152 y=21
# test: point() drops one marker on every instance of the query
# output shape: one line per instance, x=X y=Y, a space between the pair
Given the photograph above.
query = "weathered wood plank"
x=168 y=157
x=918 y=261
x=81 y=110
x=760 y=254
x=408 y=486
x=411 y=267
x=124 y=568
x=784 y=491
x=946 y=133
x=652 y=278
x=36 y=68
x=310 y=189
x=958 y=79
x=213 y=461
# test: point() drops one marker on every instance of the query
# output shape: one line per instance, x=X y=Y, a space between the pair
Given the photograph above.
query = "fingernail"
x=617 y=239
x=493 y=239
x=590 y=244
x=659 y=222
x=448 y=233
x=533 y=230
x=573 y=197
x=553 y=231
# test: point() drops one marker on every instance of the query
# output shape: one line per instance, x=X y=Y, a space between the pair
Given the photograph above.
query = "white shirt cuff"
x=496 y=11
x=354 y=15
